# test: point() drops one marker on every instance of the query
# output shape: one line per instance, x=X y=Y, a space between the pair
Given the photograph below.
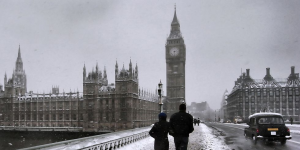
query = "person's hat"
x=162 y=115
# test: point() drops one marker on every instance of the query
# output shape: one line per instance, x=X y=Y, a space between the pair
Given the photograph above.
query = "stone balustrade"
x=109 y=141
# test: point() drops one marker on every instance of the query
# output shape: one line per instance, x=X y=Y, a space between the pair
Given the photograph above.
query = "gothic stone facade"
x=118 y=106
x=102 y=107
x=249 y=96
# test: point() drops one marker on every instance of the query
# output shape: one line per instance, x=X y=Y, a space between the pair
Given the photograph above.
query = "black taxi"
x=267 y=127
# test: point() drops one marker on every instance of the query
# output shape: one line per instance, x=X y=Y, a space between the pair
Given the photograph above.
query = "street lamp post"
x=159 y=93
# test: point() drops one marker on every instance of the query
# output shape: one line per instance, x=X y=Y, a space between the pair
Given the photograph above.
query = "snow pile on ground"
x=201 y=138
x=204 y=138
x=294 y=125
x=295 y=131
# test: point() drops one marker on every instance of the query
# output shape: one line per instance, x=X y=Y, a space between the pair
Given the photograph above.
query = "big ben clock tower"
x=175 y=65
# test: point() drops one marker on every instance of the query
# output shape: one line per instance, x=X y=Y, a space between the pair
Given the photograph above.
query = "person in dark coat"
x=160 y=132
x=195 y=121
x=291 y=120
x=182 y=125
x=198 y=121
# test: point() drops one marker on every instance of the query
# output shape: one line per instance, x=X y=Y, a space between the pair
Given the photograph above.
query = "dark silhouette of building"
x=250 y=96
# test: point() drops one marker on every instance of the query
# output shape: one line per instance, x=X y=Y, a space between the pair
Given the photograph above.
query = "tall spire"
x=130 y=64
x=97 y=71
x=19 y=63
x=175 y=28
x=136 y=71
x=19 y=53
x=84 y=72
x=104 y=74
x=97 y=67
x=116 y=63
x=130 y=69
x=175 y=20
x=5 y=79
x=116 y=70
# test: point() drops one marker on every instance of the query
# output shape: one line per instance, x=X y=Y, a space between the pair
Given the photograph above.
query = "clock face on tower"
x=174 y=51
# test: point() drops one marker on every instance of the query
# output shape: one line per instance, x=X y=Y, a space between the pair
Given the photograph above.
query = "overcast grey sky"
x=221 y=37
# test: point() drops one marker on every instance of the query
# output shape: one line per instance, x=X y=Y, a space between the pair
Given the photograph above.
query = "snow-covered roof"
x=261 y=83
x=265 y=114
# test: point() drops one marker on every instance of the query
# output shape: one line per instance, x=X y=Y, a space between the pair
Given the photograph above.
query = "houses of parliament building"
x=101 y=107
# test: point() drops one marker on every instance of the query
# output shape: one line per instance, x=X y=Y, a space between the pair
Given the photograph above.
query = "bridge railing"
x=107 y=141
x=19 y=128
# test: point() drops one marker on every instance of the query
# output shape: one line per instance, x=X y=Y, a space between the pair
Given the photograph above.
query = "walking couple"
x=180 y=126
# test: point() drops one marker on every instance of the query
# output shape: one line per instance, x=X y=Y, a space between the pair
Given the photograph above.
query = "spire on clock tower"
x=175 y=28
x=175 y=20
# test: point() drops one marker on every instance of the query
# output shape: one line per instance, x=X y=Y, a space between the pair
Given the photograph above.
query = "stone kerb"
x=109 y=141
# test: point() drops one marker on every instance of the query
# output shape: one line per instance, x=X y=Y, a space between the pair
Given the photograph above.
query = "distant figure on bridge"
x=291 y=120
x=195 y=122
x=160 y=132
x=182 y=125
x=198 y=121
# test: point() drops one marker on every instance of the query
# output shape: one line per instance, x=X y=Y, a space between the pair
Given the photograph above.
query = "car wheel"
x=283 y=142
x=254 y=139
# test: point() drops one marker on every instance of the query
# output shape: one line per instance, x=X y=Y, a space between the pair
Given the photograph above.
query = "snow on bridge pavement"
x=201 y=138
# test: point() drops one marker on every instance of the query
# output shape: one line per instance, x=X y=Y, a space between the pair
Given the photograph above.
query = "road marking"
x=294 y=141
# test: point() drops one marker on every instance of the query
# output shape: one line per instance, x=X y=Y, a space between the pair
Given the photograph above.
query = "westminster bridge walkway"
x=107 y=141
x=203 y=137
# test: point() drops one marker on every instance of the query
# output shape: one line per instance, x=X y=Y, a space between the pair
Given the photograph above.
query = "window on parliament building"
x=283 y=91
x=290 y=91
x=277 y=93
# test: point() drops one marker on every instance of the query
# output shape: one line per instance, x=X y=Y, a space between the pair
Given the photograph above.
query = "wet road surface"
x=233 y=136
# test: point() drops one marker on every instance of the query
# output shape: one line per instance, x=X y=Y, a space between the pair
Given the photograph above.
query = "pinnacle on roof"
x=123 y=69
x=105 y=75
x=19 y=59
x=19 y=53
